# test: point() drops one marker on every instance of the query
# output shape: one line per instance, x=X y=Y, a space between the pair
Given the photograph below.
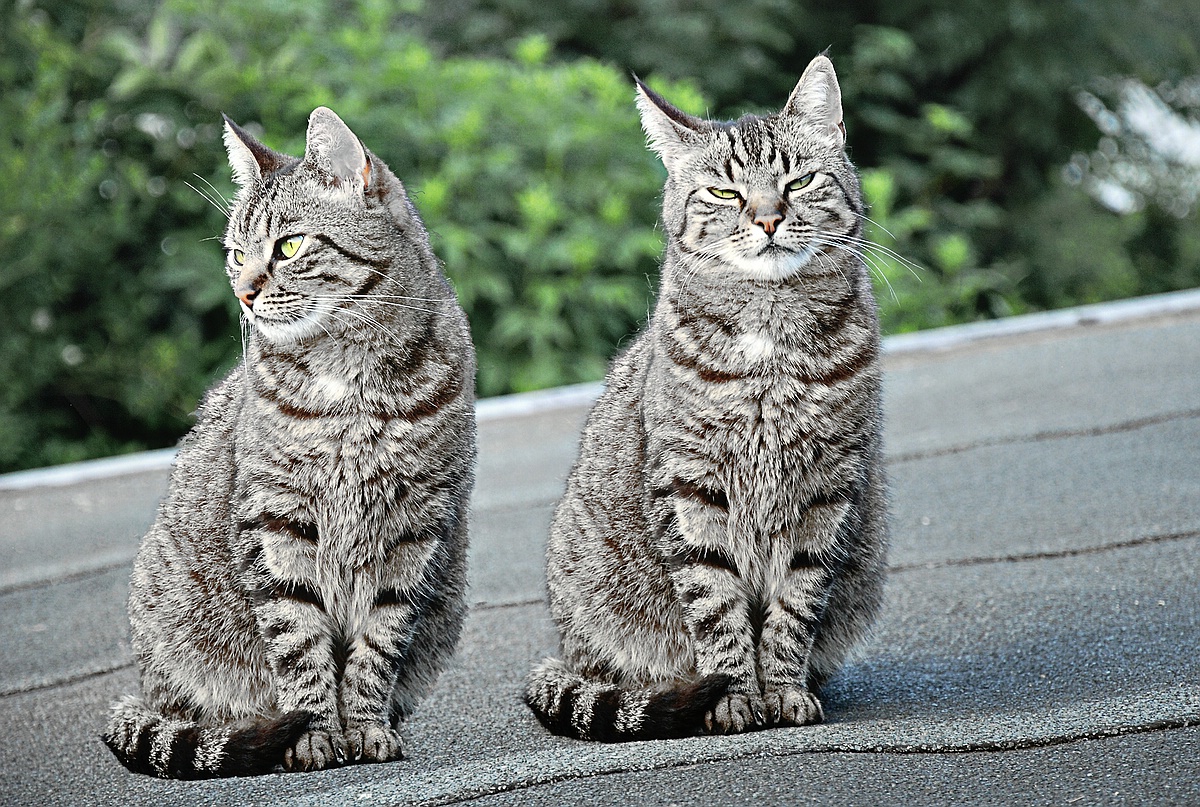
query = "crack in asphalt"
x=1166 y=724
x=1045 y=436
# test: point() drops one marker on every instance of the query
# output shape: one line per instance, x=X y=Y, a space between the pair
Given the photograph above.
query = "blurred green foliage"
x=512 y=124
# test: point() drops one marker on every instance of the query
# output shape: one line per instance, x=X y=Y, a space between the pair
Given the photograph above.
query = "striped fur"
x=304 y=581
x=590 y=709
x=147 y=742
x=726 y=518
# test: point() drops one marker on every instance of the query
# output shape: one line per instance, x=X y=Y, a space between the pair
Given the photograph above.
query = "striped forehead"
x=269 y=211
x=752 y=149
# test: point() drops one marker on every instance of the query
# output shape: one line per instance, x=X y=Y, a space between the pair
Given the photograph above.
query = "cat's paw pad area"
x=314 y=751
x=373 y=744
x=736 y=713
x=794 y=707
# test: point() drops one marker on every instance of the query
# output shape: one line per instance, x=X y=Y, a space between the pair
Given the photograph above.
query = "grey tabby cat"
x=721 y=542
x=304 y=581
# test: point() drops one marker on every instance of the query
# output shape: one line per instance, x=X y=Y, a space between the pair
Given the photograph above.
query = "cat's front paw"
x=373 y=743
x=314 y=751
x=735 y=713
x=793 y=707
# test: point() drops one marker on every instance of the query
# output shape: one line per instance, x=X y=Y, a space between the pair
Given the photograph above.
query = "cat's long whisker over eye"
x=209 y=199
x=213 y=189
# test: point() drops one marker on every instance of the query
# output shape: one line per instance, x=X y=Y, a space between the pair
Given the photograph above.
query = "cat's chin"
x=279 y=332
x=774 y=264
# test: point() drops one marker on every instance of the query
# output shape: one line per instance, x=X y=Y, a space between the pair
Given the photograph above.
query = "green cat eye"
x=724 y=193
x=801 y=183
x=288 y=247
x=239 y=257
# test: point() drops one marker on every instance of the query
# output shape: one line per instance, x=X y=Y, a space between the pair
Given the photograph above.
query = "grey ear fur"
x=669 y=131
x=332 y=147
x=248 y=158
x=817 y=99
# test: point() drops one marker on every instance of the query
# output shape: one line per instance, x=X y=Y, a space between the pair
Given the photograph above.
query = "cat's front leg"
x=297 y=633
x=715 y=602
x=793 y=614
x=390 y=603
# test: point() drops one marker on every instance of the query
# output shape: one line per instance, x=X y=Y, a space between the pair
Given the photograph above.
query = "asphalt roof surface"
x=1039 y=643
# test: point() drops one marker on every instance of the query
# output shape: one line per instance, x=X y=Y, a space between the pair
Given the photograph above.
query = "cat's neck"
x=704 y=287
x=341 y=371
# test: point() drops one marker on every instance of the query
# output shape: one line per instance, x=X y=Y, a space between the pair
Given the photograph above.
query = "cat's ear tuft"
x=332 y=147
x=669 y=131
x=249 y=159
x=818 y=100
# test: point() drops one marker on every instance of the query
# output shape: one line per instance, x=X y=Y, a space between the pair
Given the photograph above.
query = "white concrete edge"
x=952 y=336
x=580 y=395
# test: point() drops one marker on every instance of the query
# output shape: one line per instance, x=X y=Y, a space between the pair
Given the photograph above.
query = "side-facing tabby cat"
x=304 y=581
x=721 y=542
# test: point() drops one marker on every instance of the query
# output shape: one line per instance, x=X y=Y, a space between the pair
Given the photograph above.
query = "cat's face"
x=766 y=197
x=302 y=243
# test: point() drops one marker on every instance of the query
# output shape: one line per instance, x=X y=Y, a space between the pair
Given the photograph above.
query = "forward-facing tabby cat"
x=304 y=581
x=721 y=542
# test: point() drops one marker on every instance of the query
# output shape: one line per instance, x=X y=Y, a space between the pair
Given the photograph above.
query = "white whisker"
x=216 y=192
x=207 y=198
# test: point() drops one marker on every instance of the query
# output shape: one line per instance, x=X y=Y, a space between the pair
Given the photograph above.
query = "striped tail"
x=147 y=742
x=566 y=703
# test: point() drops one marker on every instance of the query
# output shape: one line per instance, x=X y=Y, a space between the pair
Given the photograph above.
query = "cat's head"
x=765 y=196
x=310 y=240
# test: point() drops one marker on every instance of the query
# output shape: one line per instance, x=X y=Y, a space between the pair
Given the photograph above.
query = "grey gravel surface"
x=1038 y=645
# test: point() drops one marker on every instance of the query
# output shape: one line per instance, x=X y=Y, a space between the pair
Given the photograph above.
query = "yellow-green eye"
x=724 y=193
x=239 y=257
x=801 y=183
x=288 y=247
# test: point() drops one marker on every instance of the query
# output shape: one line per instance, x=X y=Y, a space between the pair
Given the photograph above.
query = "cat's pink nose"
x=247 y=290
x=768 y=221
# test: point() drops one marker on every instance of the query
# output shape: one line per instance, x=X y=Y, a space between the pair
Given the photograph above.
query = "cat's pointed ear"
x=818 y=100
x=249 y=159
x=332 y=147
x=670 y=131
